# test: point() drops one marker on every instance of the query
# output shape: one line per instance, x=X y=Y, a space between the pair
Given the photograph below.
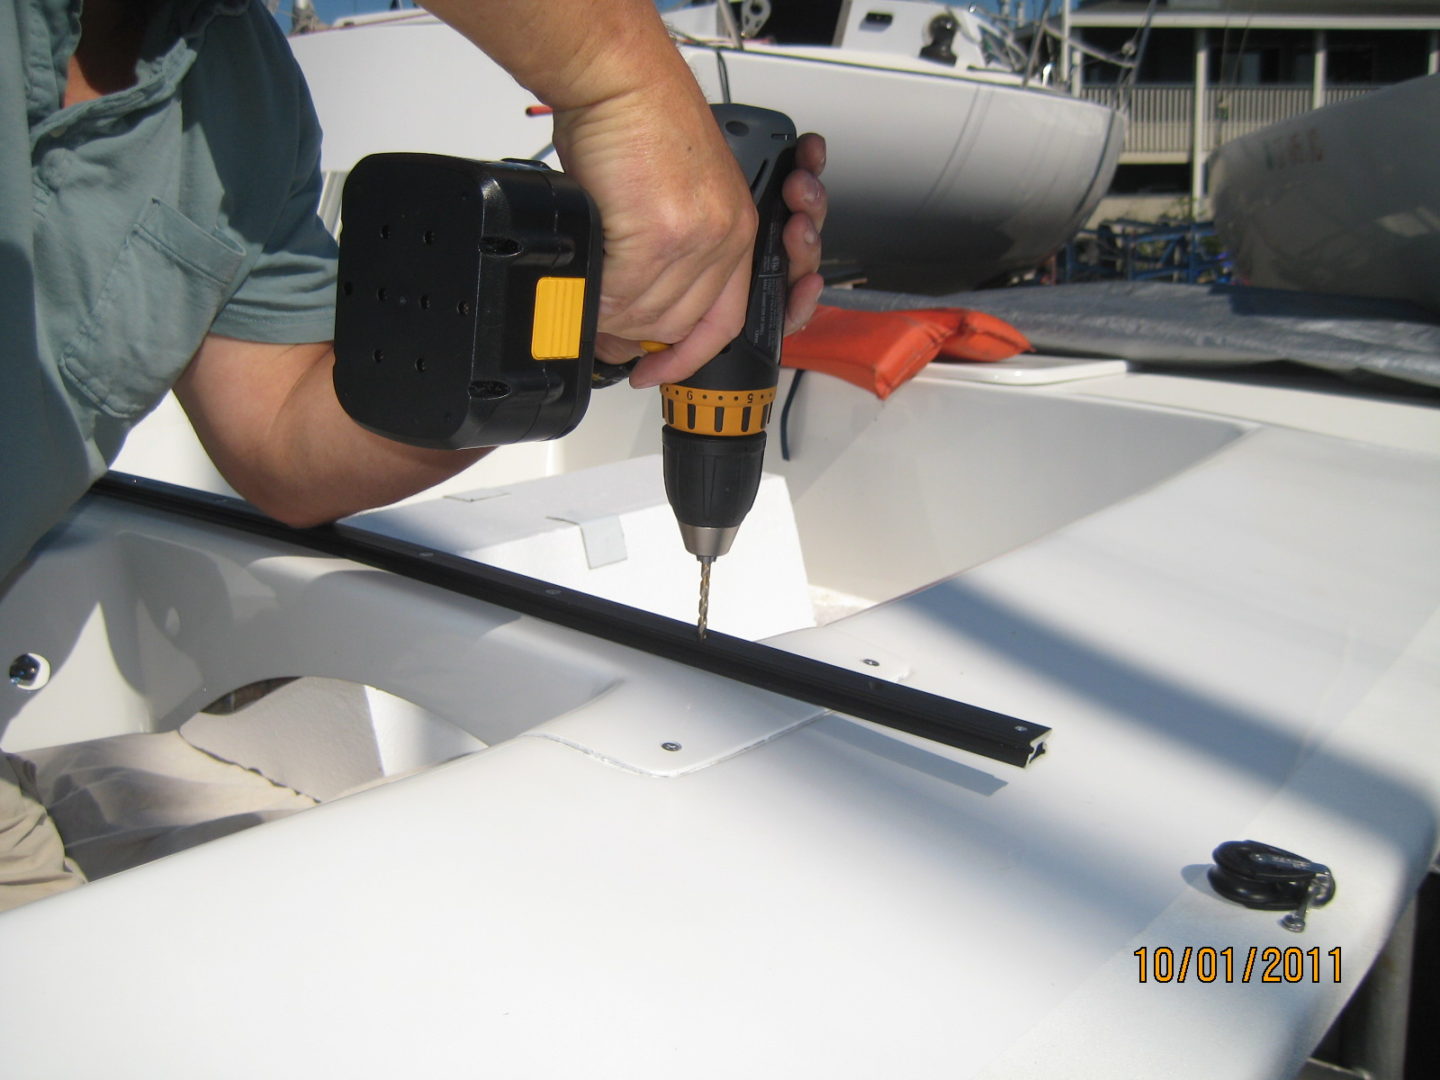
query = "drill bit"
x=702 y=624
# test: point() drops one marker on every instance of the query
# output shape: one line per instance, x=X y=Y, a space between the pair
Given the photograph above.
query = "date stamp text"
x=1268 y=964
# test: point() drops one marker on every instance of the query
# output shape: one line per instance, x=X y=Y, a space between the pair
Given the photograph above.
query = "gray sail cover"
x=1202 y=325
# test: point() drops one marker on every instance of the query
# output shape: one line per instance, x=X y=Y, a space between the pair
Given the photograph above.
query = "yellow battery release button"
x=559 y=311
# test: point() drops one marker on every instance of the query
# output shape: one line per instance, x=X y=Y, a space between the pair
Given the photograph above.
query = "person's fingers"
x=669 y=306
x=711 y=334
x=808 y=200
x=810 y=153
x=802 y=247
x=805 y=194
x=804 y=297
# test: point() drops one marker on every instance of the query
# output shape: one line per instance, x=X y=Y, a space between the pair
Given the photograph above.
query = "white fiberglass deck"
x=1223 y=599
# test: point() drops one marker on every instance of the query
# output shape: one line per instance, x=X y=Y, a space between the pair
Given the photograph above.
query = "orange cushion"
x=879 y=350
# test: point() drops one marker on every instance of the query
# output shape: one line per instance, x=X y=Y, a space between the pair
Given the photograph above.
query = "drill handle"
x=763 y=142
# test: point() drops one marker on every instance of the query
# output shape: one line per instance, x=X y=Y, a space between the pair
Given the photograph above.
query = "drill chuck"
x=711 y=483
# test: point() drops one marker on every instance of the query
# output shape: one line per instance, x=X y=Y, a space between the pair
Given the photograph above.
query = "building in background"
x=1212 y=70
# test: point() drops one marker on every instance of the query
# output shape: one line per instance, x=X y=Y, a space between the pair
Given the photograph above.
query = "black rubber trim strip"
x=967 y=727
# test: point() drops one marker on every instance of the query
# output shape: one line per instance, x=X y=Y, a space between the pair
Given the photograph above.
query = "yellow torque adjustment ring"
x=716 y=412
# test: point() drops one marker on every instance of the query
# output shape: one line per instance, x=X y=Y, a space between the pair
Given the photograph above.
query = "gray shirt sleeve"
x=287 y=296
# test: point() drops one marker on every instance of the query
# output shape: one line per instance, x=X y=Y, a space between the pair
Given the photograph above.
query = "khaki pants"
x=32 y=856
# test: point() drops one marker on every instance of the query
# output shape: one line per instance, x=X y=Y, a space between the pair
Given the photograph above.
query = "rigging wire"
x=1219 y=115
x=679 y=37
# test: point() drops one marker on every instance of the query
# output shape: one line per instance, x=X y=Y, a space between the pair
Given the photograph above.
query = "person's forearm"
x=574 y=53
x=269 y=419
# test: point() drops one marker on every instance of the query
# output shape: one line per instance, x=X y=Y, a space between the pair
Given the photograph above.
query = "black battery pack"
x=467 y=300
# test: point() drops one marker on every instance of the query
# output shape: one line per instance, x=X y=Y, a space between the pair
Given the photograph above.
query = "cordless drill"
x=467 y=309
x=714 y=434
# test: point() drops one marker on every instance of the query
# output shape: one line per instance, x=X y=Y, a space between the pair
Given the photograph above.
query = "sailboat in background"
x=953 y=160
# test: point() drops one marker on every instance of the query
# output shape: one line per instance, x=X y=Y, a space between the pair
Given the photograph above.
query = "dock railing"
x=1161 y=115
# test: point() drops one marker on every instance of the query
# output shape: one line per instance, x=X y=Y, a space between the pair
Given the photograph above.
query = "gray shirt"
x=133 y=225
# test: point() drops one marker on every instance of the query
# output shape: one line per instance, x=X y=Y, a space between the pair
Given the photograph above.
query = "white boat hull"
x=1343 y=200
x=936 y=182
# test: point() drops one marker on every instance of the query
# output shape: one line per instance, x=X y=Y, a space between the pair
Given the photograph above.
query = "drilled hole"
x=463 y=307
x=384 y=232
x=349 y=288
x=424 y=302
x=379 y=355
x=429 y=236
x=381 y=294
x=420 y=363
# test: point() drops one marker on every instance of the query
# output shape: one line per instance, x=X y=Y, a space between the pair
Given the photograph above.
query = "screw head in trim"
x=29 y=671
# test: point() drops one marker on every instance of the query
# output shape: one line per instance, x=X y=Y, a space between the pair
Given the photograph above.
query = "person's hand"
x=632 y=126
x=807 y=200
x=678 y=241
